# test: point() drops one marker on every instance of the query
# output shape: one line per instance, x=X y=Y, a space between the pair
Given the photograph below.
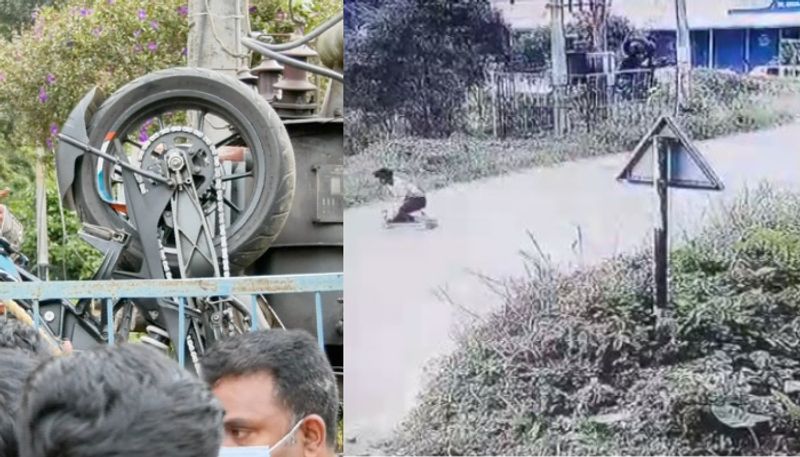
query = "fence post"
x=181 y=331
x=320 y=327
x=493 y=79
x=110 y=321
x=253 y=313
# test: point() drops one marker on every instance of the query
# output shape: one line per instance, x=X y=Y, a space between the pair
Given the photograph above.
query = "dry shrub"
x=572 y=363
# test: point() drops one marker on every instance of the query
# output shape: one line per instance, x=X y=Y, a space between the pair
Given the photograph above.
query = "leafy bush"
x=276 y=16
x=74 y=45
x=416 y=59
x=46 y=69
x=571 y=363
x=16 y=15
x=70 y=257
x=531 y=48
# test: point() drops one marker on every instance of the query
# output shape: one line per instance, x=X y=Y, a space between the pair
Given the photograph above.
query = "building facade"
x=737 y=35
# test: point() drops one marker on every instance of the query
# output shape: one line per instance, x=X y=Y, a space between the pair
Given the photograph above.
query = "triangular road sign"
x=687 y=168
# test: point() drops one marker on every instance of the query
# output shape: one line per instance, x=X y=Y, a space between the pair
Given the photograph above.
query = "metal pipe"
x=259 y=47
x=42 y=251
x=156 y=288
x=114 y=160
x=301 y=41
x=181 y=331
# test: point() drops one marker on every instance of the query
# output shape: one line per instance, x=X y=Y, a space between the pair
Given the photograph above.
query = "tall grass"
x=721 y=104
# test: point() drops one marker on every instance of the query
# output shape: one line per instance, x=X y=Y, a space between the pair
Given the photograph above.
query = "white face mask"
x=258 y=451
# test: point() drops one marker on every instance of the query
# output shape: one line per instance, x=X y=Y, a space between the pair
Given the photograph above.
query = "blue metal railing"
x=112 y=290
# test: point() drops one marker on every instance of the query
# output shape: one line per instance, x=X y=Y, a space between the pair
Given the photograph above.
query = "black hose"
x=261 y=48
x=301 y=41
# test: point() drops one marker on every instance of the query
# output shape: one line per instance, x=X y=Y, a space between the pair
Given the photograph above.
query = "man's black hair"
x=123 y=401
x=383 y=173
x=303 y=377
x=18 y=335
x=15 y=367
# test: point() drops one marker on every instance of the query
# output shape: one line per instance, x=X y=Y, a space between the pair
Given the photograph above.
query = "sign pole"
x=652 y=164
x=660 y=234
x=558 y=58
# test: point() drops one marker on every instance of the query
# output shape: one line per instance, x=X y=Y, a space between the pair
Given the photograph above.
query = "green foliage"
x=417 y=58
x=275 y=16
x=790 y=52
x=46 y=69
x=284 y=19
x=16 y=15
x=71 y=260
x=72 y=47
x=532 y=47
x=579 y=353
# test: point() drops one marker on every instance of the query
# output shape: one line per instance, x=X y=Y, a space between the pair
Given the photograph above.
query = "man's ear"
x=314 y=436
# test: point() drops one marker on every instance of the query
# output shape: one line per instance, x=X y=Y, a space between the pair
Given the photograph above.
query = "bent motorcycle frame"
x=143 y=210
x=76 y=127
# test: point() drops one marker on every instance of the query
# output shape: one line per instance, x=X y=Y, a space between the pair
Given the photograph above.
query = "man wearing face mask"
x=279 y=395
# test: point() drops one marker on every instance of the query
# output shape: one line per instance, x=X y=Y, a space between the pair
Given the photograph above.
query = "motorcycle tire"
x=268 y=139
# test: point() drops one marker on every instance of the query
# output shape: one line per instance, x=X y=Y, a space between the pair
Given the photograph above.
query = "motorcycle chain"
x=220 y=208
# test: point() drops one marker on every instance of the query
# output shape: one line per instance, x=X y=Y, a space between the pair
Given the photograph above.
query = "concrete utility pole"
x=42 y=251
x=558 y=59
x=215 y=31
x=216 y=28
x=684 y=55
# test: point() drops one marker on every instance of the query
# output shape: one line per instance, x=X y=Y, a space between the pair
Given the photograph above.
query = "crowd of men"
x=268 y=393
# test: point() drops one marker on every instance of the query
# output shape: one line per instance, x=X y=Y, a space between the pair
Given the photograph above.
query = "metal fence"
x=112 y=290
x=523 y=104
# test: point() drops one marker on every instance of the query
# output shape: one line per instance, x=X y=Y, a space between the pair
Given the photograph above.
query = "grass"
x=340 y=437
x=573 y=363
x=721 y=105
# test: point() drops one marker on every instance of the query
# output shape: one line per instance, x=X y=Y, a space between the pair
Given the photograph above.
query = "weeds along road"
x=396 y=323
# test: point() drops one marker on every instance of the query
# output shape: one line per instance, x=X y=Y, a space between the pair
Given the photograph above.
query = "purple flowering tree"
x=69 y=49
x=44 y=72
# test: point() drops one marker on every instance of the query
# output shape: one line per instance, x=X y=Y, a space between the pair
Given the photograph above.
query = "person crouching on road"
x=412 y=197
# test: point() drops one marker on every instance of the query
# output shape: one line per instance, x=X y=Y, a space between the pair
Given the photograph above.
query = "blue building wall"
x=739 y=50
x=729 y=50
x=700 y=48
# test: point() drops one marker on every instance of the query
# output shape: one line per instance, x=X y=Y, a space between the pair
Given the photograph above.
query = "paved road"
x=395 y=323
